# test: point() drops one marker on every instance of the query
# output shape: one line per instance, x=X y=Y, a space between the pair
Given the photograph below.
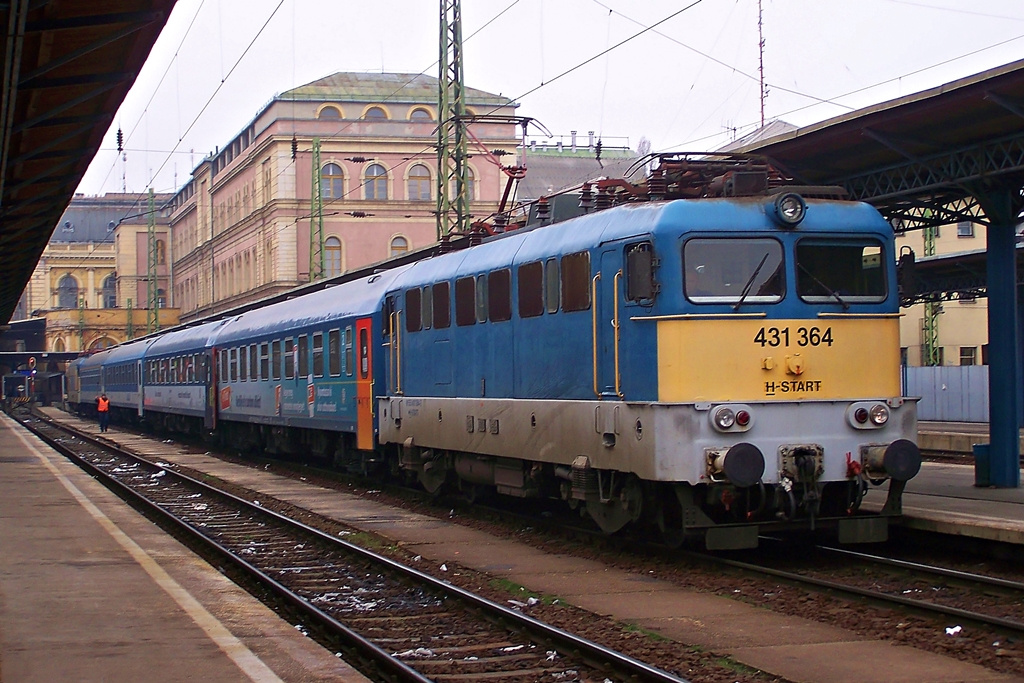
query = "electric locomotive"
x=713 y=366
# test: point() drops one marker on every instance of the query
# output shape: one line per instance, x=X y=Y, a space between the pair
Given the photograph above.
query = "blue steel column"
x=1003 y=338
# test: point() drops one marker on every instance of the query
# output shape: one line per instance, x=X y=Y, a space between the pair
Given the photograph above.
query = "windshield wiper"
x=833 y=293
x=750 y=283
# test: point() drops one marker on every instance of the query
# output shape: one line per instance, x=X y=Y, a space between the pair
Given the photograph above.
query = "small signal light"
x=861 y=415
x=742 y=418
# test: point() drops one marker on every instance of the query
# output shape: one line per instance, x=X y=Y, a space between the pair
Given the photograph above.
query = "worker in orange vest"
x=103 y=408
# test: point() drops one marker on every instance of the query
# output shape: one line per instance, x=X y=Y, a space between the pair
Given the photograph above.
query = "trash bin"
x=981 y=464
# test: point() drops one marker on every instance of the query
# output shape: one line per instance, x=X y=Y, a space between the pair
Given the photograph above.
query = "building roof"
x=93 y=219
x=377 y=87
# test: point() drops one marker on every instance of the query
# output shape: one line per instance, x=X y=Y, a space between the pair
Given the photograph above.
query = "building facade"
x=92 y=279
x=241 y=227
x=951 y=332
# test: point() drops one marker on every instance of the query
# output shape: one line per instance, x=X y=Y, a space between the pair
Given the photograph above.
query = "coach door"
x=209 y=370
x=364 y=385
x=139 y=385
x=606 y=311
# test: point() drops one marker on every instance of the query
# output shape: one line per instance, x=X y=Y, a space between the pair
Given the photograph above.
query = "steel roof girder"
x=998 y=157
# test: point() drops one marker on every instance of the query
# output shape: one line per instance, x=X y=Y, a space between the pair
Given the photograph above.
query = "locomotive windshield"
x=733 y=270
x=843 y=271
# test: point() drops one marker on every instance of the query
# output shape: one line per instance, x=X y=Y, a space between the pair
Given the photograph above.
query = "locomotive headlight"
x=879 y=414
x=861 y=415
x=724 y=418
x=789 y=209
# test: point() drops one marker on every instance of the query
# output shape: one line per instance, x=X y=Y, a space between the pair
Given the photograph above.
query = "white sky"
x=683 y=85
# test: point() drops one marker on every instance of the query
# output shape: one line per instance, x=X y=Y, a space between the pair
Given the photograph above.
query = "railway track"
x=941 y=592
x=399 y=623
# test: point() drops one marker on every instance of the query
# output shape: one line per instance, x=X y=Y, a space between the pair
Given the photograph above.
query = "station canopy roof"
x=921 y=158
x=67 y=67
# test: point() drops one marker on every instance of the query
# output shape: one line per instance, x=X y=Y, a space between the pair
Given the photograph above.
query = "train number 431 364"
x=801 y=336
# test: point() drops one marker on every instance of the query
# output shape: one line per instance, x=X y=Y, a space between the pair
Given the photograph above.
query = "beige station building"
x=91 y=282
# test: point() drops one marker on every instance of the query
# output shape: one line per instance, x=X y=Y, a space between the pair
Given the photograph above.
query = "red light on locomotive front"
x=861 y=415
x=742 y=418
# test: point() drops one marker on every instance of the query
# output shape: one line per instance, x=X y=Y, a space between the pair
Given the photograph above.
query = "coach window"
x=234 y=365
x=364 y=354
x=640 y=272
x=499 y=295
x=289 y=358
x=576 y=282
x=442 y=306
x=840 y=271
x=254 y=366
x=223 y=374
x=733 y=270
x=275 y=360
x=551 y=288
x=465 y=301
x=191 y=369
x=303 y=356
x=348 y=350
x=334 y=352
x=427 y=305
x=481 y=298
x=264 y=361
x=412 y=310
x=243 y=363
x=318 y=354
x=530 y=287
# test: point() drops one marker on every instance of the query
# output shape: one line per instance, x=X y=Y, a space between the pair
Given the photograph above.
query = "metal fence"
x=956 y=393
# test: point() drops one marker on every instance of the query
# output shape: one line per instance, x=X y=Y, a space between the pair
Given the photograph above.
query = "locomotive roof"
x=356 y=298
x=636 y=220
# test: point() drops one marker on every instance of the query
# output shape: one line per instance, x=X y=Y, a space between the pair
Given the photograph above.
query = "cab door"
x=607 y=311
x=365 y=433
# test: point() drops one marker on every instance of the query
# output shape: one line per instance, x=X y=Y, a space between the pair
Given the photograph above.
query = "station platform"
x=92 y=591
x=943 y=497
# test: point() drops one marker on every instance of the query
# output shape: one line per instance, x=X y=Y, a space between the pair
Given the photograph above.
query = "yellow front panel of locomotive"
x=757 y=359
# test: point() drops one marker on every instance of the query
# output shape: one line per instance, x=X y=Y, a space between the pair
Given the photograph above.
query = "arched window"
x=110 y=291
x=470 y=184
x=161 y=253
x=331 y=181
x=375 y=113
x=101 y=343
x=376 y=184
x=420 y=115
x=332 y=257
x=67 y=292
x=399 y=245
x=419 y=183
x=329 y=113
x=58 y=345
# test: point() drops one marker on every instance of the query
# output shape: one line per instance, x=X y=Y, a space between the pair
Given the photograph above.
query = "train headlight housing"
x=868 y=415
x=731 y=418
x=789 y=209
